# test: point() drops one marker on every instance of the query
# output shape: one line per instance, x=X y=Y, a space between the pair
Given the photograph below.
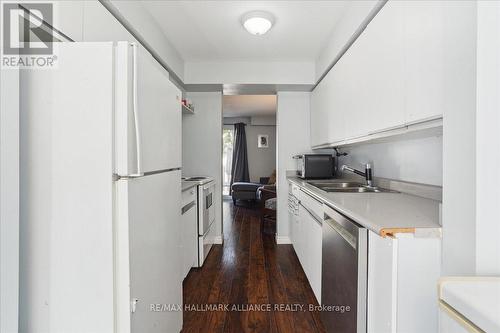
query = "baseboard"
x=218 y=240
x=283 y=240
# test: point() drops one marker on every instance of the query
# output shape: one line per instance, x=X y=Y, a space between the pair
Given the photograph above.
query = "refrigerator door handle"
x=135 y=106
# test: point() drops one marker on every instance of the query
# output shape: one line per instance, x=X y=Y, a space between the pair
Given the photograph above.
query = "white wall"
x=9 y=200
x=415 y=160
x=292 y=118
x=202 y=143
x=140 y=20
x=459 y=142
x=261 y=161
x=488 y=139
x=249 y=72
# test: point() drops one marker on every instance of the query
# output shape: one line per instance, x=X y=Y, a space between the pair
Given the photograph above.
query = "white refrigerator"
x=100 y=193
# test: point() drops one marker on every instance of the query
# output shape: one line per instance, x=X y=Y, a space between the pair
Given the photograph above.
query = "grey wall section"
x=416 y=160
x=202 y=143
x=459 y=146
x=488 y=139
x=293 y=138
x=261 y=161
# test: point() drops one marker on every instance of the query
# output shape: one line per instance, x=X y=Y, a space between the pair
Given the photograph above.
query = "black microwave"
x=315 y=166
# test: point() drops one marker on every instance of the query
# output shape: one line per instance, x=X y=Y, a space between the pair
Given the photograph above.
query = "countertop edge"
x=453 y=292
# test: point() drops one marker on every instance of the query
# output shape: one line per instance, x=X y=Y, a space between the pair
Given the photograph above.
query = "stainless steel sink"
x=348 y=187
x=361 y=189
x=323 y=185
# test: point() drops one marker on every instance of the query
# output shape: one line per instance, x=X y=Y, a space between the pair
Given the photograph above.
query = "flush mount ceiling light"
x=257 y=22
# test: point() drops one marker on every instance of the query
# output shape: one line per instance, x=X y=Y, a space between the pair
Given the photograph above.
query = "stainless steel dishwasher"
x=344 y=274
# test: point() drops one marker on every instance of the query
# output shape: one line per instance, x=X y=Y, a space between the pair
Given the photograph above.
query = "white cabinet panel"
x=189 y=246
x=329 y=102
x=304 y=236
x=319 y=123
x=339 y=96
x=402 y=279
x=374 y=67
x=316 y=235
x=393 y=75
x=425 y=58
x=381 y=315
x=298 y=239
x=310 y=239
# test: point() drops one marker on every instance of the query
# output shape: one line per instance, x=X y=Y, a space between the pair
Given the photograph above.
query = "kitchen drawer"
x=295 y=190
x=189 y=195
x=313 y=205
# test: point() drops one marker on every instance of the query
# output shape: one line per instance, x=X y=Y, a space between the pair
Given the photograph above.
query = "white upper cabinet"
x=374 y=69
x=338 y=99
x=329 y=102
x=426 y=62
x=392 y=76
x=319 y=118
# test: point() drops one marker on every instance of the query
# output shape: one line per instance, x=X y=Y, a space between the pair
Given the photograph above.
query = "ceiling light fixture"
x=257 y=22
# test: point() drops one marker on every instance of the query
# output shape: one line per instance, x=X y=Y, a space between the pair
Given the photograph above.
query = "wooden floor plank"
x=247 y=270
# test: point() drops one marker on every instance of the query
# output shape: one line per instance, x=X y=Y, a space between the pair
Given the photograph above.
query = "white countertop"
x=475 y=298
x=379 y=212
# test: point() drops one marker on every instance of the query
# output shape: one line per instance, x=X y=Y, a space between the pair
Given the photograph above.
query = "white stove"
x=206 y=215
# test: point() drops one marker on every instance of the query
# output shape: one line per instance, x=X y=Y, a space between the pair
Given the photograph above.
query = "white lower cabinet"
x=189 y=235
x=315 y=248
x=308 y=237
x=402 y=276
x=403 y=272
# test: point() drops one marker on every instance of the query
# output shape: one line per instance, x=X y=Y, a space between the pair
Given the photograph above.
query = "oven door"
x=207 y=208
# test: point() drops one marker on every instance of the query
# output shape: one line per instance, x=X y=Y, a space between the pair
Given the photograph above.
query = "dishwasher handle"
x=351 y=239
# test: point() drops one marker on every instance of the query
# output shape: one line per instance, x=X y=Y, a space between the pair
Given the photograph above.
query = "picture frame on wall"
x=263 y=141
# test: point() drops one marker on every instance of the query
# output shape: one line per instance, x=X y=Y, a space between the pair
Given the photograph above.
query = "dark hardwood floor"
x=247 y=271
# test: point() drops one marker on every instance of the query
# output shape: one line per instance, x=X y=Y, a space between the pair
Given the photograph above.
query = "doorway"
x=248 y=134
x=227 y=156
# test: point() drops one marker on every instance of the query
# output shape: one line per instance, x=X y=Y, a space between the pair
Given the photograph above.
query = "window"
x=227 y=157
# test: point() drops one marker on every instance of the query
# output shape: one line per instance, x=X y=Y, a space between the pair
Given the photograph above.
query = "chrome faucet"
x=367 y=174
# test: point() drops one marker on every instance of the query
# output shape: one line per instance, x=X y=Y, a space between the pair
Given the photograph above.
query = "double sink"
x=348 y=187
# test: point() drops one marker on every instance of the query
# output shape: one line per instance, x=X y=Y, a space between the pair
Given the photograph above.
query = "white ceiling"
x=212 y=31
x=249 y=105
